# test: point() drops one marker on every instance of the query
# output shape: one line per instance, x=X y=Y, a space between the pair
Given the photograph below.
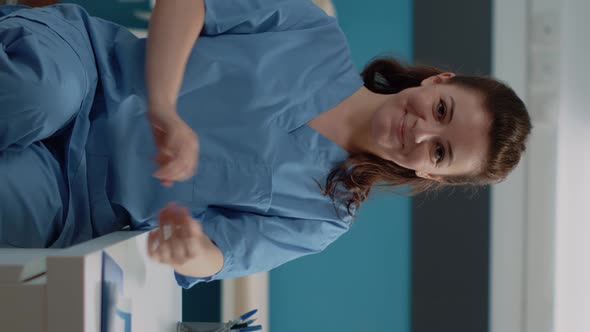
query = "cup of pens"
x=240 y=324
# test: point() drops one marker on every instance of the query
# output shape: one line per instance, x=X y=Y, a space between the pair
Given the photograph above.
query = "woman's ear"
x=429 y=176
x=437 y=79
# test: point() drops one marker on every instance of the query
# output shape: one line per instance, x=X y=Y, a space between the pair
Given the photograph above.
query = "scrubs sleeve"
x=257 y=16
x=253 y=243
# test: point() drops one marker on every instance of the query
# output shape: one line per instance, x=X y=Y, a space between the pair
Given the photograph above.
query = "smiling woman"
x=439 y=129
x=425 y=128
x=216 y=112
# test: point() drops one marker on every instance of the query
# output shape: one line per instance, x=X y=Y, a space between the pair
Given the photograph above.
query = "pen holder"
x=202 y=327
x=241 y=324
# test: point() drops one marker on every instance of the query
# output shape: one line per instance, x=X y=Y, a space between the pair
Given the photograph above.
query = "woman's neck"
x=348 y=124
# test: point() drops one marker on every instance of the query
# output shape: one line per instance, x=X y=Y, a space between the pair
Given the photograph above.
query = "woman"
x=290 y=137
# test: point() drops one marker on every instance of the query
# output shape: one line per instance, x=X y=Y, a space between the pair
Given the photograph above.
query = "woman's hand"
x=177 y=145
x=178 y=239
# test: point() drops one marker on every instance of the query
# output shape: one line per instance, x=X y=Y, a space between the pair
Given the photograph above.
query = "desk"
x=59 y=290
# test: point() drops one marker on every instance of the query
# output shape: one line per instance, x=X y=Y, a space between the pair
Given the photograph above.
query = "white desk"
x=67 y=295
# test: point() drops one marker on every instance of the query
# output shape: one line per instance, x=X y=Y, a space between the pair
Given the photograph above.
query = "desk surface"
x=71 y=287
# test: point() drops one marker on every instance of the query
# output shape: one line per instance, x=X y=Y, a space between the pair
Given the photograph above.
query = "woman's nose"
x=424 y=131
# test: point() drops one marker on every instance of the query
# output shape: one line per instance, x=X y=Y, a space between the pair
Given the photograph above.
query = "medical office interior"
x=507 y=258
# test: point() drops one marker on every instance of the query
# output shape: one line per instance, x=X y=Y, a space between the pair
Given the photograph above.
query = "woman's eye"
x=441 y=110
x=439 y=153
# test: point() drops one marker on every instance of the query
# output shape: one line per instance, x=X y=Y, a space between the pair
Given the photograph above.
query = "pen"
x=239 y=324
x=248 y=314
x=242 y=325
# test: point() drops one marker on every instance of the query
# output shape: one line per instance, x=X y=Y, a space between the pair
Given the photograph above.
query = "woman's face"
x=435 y=129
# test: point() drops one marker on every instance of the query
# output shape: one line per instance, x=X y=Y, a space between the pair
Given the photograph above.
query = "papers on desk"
x=115 y=307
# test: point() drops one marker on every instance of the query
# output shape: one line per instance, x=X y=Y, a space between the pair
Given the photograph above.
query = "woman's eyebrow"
x=449 y=148
x=452 y=110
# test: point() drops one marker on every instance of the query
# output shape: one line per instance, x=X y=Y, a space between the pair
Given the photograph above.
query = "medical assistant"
x=77 y=149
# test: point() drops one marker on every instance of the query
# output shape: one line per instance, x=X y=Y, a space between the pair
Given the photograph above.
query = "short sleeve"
x=253 y=243
x=257 y=16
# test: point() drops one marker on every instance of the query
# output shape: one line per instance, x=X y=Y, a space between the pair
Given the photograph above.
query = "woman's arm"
x=174 y=28
x=252 y=243
x=180 y=242
x=207 y=262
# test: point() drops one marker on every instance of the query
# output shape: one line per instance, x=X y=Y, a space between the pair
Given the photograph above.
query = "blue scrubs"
x=74 y=134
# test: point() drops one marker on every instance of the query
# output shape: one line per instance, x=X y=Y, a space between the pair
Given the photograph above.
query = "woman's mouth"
x=401 y=129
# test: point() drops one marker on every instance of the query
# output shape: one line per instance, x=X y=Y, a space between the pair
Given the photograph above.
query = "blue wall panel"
x=377 y=27
x=125 y=12
x=360 y=283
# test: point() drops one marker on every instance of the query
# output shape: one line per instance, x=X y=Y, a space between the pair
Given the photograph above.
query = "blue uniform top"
x=260 y=70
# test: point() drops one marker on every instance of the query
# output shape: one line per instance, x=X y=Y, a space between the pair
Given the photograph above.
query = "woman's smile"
x=401 y=130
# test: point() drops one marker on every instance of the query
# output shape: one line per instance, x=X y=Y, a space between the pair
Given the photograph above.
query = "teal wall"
x=119 y=11
x=377 y=27
x=362 y=281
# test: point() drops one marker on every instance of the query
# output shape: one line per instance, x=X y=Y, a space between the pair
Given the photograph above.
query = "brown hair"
x=352 y=180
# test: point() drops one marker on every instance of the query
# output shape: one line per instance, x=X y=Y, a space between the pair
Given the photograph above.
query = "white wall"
x=540 y=268
x=572 y=287
x=508 y=215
